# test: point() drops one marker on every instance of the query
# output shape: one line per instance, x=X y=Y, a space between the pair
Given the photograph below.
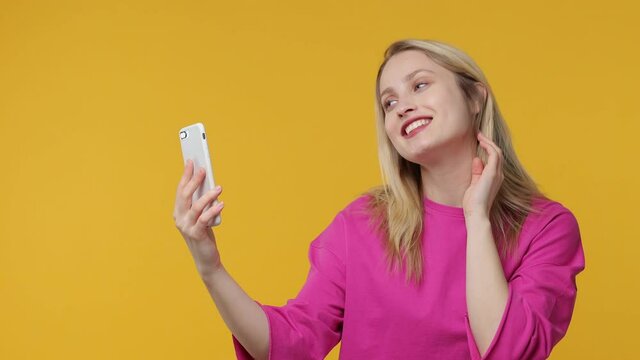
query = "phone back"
x=194 y=145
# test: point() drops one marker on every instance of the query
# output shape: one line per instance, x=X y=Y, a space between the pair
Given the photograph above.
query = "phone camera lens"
x=183 y=134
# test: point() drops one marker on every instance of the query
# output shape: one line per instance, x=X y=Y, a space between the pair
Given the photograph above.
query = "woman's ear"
x=479 y=100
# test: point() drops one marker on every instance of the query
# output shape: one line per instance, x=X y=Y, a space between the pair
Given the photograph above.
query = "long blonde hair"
x=396 y=207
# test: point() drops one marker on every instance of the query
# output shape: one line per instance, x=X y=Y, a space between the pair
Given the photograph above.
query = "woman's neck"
x=447 y=181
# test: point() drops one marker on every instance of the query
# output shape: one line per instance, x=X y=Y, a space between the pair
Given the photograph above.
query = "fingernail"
x=218 y=188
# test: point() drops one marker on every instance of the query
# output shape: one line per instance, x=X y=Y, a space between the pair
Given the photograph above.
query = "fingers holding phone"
x=194 y=213
x=194 y=224
x=206 y=217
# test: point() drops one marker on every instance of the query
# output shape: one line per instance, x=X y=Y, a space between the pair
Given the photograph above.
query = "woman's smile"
x=415 y=127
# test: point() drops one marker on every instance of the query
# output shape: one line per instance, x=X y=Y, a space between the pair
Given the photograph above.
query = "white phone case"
x=193 y=141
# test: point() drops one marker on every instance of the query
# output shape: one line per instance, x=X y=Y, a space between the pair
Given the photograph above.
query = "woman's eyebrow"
x=406 y=78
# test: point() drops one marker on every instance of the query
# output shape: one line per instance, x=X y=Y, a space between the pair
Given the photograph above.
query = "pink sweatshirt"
x=349 y=296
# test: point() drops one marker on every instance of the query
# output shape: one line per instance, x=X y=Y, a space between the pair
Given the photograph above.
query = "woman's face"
x=414 y=86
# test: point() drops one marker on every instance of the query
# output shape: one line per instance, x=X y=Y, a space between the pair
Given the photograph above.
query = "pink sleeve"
x=310 y=325
x=542 y=294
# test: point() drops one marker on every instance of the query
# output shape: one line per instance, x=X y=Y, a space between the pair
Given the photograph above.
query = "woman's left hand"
x=485 y=181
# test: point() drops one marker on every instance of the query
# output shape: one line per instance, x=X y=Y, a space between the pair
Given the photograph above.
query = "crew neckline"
x=432 y=206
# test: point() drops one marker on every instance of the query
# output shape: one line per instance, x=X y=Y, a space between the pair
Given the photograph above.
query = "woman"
x=457 y=256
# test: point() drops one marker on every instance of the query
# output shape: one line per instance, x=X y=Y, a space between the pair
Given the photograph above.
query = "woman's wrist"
x=208 y=276
x=477 y=220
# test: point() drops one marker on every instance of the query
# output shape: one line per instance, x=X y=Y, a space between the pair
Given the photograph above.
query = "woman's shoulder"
x=340 y=230
x=546 y=210
x=551 y=225
x=357 y=209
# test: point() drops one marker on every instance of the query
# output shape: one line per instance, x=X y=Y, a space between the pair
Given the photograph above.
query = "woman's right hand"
x=194 y=224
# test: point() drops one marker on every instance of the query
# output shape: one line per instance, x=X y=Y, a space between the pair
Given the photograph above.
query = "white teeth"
x=416 y=124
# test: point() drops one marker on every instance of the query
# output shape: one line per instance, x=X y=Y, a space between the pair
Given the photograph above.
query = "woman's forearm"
x=486 y=288
x=243 y=316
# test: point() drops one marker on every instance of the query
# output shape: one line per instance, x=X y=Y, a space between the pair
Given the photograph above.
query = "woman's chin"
x=422 y=154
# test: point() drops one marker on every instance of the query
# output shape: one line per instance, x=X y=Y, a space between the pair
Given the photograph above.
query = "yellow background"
x=92 y=95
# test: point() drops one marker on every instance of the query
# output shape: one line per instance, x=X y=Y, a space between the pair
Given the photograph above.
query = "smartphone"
x=193 y=141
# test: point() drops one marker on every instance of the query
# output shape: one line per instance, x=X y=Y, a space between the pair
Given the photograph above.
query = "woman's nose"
x=404 y=109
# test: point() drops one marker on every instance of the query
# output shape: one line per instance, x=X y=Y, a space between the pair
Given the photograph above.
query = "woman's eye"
x=387 y=103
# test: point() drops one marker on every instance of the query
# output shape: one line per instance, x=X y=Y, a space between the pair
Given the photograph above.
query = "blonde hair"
x=396 y=207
